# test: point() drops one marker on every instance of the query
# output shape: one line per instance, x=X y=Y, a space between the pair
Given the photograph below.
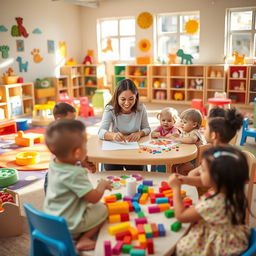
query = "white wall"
x=58 y=21
x=212 y=20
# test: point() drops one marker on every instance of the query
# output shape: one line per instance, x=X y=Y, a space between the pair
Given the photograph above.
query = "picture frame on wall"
x=51 y=46
x=20 y=45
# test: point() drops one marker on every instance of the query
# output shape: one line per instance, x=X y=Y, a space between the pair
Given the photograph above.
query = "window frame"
x=100 y=39
x=229 y=32
x=178 y=34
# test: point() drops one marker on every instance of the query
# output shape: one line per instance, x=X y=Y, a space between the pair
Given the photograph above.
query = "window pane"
x=167 y=24
x=166 y=44
x=241 y=20
x=127 y=27
x=110 y=55
x=190 y=44
x=241 y=44
x=185 y=18
x=109 y=28
x=127 y=48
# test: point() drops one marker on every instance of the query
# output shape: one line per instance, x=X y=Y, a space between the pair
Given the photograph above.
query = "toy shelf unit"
x=94 y=78
x=18 y=100
x=139 y=75
x=215 y=76
x=119 y=73
x=237 y=86
x=61 y=85
x=252 y=84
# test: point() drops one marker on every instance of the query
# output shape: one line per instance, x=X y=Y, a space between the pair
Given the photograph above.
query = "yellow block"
x=167 y=191
x=151 y=190
x=134 y=233
x=170 y=195
x=142 y=239
x=118 y=228
x=114 y=218
x=143 y=198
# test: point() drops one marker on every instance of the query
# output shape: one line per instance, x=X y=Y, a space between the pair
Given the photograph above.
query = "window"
x=241 y=32
x=171 y=34
x=116 y=39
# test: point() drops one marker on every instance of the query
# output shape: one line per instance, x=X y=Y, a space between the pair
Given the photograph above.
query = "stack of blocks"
x=143 y=231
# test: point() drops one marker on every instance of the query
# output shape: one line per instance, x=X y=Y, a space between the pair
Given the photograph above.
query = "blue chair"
x=49 y=234
x=247 y=132
x=251 y=251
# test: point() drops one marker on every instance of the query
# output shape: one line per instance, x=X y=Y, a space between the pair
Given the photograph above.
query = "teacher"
x=124 y=119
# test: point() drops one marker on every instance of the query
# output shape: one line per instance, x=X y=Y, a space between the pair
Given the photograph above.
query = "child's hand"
x=181 y=178
x=118 y=137
x=89 y=165
x=106 y=184
x=135 y=136
x=155 y=135
x=172 y=137
x=174 y=181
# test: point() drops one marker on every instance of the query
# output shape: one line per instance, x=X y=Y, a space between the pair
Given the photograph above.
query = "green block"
x=176 y=226
x=145 y=189
x=169 y=213
x=141 y=214
x=126 y=248
x=118 y=196
x=124 y=177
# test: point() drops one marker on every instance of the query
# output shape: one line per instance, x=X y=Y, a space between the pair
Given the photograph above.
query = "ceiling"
x=86 y=3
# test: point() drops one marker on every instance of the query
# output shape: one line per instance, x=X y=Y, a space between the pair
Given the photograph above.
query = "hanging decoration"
x=23 y=66
x=108 y=47
x=144 y=45
x=63 y=49
x=4 y=49
x=36 y=56
x=3 y=28
x=192 y=26
x=19 y=30
x=51 y=46
x=145 y=20
x=37 y=31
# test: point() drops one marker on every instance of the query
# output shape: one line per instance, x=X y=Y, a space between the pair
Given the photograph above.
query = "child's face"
x=205 y=174
x=126 y=101
x=166 y=122
x=81 y=152
x=188 y=125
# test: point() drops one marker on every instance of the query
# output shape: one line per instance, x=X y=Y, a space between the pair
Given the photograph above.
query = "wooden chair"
x=201 y=149
x=252 y=167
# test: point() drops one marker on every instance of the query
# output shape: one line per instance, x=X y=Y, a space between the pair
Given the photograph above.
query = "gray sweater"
x=124 y=123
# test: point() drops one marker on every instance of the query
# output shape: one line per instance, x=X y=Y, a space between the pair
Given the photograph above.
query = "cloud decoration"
x=3 y=28
x=37 y=31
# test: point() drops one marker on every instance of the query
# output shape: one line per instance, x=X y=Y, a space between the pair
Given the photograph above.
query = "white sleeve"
x=144 y=121
x=107 y=120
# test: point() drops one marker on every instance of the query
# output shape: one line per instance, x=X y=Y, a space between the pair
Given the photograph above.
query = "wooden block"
x=119 y=228
x=114 y=218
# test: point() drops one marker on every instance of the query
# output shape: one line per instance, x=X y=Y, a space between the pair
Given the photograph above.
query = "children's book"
x=159 y=143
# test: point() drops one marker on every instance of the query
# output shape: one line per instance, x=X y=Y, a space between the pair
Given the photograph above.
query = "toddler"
x=168 y=117
x=70 y=193
x=219 y=217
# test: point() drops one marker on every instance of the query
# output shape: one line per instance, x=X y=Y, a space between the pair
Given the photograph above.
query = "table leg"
x=168 y=168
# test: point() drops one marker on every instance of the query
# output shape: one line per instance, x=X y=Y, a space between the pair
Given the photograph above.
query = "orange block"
x=164 y=207
x=118 y=207
x=134 y=233
x=142 y=239
x=114 y=218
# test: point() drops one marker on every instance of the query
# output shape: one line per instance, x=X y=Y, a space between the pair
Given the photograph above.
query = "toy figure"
x=88 y=60
x=238 y=59
x=184 y=56
x=109 y=46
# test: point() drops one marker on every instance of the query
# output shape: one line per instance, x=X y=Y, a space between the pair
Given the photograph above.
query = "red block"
x=154 y=229
x=127 y=240
x=131 y=208
x=121 y=235
x=150 y=246
x=125 y=217
x=140 y=228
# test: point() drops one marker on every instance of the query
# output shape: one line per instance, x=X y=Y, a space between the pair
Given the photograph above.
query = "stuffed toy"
x=43 y=83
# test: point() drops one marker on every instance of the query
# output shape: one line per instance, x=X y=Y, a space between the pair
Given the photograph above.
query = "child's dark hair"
x=122 y=86
x=63 y=136
x=193 y=115
x=62 y=109
x=229 y=172
x=216 y=112
x=228 y=125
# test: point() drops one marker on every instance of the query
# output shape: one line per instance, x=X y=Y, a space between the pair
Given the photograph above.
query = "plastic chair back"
x=251 y=251
x=49 y=234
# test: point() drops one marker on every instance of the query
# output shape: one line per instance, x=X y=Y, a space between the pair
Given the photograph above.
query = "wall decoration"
x=192 y=26
x=3 y=28
x=20 y=45
x=51 y=46
x=145 y=20
x=63 y=49
x=5 y=51
x=238 y=59
x=19 y=30
x=108 y=47
x=36 y=55
x=144 y=45
x=23 y=66
x=187 y=57
x=37 y=31
x=172 y=58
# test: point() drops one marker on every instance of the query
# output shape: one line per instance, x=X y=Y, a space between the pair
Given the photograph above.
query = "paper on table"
x=113 y=145
x=159 y=143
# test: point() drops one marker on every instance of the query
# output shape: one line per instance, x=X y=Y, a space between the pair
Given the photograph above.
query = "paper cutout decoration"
x=23 y=66
x=37 y=31
x=144 y=45
x=20 y=45
x=191 y=26
x=4 y=49
x=145 y=20
x=51 y=46
x=108 y=47
x=19 y=30
x=36 y=55
x=63 y=49
x=3 y=28
x=184 y=57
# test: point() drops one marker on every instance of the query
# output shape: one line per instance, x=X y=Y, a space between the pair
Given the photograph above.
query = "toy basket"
x=10 y=79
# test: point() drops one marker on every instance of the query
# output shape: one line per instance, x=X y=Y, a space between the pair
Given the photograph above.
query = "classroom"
x=164 y=90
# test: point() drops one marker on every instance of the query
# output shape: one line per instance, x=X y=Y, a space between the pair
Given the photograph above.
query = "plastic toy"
x=88 y=58
x=19 y=30
x=137 y=72
x=241 y=73
x=8 y=127
x=5 y=51
x=85 y=109
x=8 y=177
x=143 y=60
x=27 y=158
x=163 y=85
x=36 y=55
x=178 y=84
x=71 y=62
x=178 y=96
x=172 y=58
x=212 y=73
x=184 y=56
x=247 y=132
x=238 y=59
x=108 y=47
x=9 y=78
x=23 y=66
x=42 y=83
x=199 y=84
x=42 y=114
x=101 y=98
x=156 y=84
x=28 y=139
x=160 y=95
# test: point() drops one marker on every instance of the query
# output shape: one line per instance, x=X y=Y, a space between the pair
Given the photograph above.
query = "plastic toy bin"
x=10 y=217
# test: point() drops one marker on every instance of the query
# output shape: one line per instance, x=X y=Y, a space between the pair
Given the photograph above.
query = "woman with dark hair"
x=124 y=119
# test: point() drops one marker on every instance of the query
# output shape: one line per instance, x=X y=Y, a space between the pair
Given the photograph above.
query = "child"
x=70 y=193
x=219 y=216
x=168 y=117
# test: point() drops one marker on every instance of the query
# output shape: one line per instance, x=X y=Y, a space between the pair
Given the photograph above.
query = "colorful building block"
x=141 y=214
x=161 y=230
x=148 y=182
x=127 y=240
x=107 y=248
x=136 y=197
x=114 y=218
x=140 y=229
x=154 y=229
x=161 y=200
x=119 y=228
x=118 y=207
x=153 y=209
x=136 y=207
x=131 y=208
x=143 y=198
x=176 y=226
x=152 y=198
x=164 y=207
x=139 y=188
x=117 y=248
x=145 y=189
x=121 y=235
x=127 y=198
x=187 y=201
x=148 y=230
x=150 y=245
x=140 y=221
x=142 y=239
x=169 y=213
x=137 y=252
x=134 y=233
x=151 y=190
x=124 y=217
x=127 y=248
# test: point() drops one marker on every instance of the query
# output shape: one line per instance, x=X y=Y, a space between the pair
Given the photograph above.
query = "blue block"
x=162 y=200
x=136 y=197
x=140 y=187
x=161 y=230
x=149 y=235
x=136 y=207
x=148 y=182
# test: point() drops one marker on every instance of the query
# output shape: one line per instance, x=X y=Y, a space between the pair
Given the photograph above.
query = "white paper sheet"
x=113 y=145
x=157 y=143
